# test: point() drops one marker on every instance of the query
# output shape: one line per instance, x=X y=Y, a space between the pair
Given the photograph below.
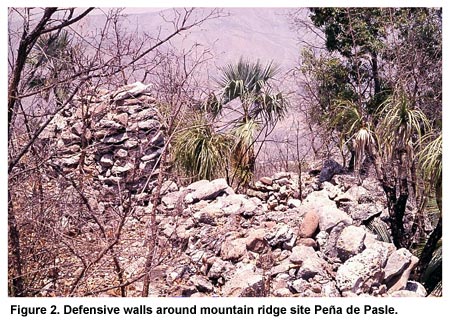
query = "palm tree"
x=200 y=151
x=430 y=162
x=258 y=107
x=400 y=127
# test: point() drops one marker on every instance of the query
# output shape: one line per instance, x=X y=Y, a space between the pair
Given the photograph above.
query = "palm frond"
x=430 y=157
x=200 y=152
x=400 y=121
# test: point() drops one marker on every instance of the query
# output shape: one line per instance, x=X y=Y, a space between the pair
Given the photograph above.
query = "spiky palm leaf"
x=430 y=157
x=400 y=123
x=346 y=117
x=201 y=152
x=433 y=273
x=363 y=139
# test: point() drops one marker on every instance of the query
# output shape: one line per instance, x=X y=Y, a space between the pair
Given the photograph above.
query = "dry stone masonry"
x=113 y=135
x=288 y=236
x=258 y=244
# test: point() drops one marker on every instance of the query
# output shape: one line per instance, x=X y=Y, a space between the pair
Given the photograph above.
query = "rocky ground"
x=324 y=235
x=274 y=244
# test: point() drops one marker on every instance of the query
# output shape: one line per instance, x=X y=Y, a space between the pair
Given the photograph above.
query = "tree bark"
x=375 y=73
x=17 y=289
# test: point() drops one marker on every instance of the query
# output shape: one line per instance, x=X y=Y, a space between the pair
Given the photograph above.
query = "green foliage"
x=50 y=57
x=346 y=27
x=258 y=106
x=430 y=157
x=201 y=152
x=390 y=60
x=329 y=79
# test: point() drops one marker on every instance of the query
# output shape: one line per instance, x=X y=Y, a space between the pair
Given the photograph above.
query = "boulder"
x=350 y=242
x=416 y=287
x=255 y=240
x=130 y=91
x=107 y=160
x=329 y=169
x=309 y=224
x=280 y=235
x=310 y=263
x=266 y=180
x=205 y=190
x=396 y=264
x=330 y=217
x=202 y=283
x=233 y=249
x=219 y=268
x=326 y=209
x=362 y=271
x=400 y=282
x=245 y=283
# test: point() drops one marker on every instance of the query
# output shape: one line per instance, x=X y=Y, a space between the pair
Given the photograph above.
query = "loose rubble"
x=287 y=236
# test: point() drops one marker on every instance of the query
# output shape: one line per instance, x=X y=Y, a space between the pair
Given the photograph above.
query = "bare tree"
x=58 y=66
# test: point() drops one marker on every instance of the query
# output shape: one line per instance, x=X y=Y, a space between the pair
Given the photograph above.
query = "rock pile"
x=287 y=236
x=248 y=245
x=113 y=135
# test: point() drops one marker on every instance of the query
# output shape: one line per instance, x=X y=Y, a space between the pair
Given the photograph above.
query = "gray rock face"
x=330 y=168
x=280 y=236
x=350 y=242
x=326 y=209
x=359 y=273
x=246 y=283
x=110 y=138
x=309 y=261
x=130 y=91
x=400 y=282
x=397 y=263
x=417 y=288
x=255 y=240
x=202 y=283
x=204 y=190
x=330 y=217
x=219 y=268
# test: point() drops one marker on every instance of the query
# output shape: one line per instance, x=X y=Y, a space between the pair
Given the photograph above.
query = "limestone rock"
x=329 y=169
x=107 y=160
x=350 y=242
x=233 y=249
x=279 y=235
x=330 y=217
x=266 y=180
x=397 y=263
x=310 y=263
x=416 y=287
x=329 y=214
x=130 y=91
x=205 y=190
x=400 y=282
x=219 y=268
x=202 y=283
x=255 y=240
x=360 y=272
x=245 y=283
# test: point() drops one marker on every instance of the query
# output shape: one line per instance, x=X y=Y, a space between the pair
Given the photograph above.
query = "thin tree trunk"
x=152 y=232
x=17 y=289
x=375 y=73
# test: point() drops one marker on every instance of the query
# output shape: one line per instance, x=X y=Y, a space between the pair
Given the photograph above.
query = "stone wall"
x=114 y=136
